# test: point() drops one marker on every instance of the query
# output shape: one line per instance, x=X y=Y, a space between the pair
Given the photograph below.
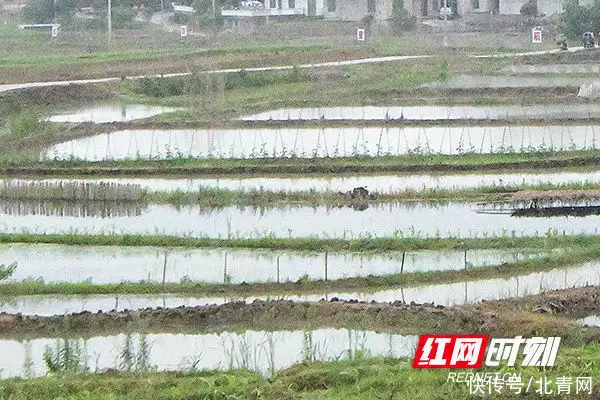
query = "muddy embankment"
x=549 y=313
x=265 y=315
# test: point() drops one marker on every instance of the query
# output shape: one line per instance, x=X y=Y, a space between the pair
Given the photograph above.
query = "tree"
x=401 y=19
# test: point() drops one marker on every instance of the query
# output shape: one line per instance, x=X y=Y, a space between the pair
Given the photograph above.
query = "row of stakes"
x=226 y=277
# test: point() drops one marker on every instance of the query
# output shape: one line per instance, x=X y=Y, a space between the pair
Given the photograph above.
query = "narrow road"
x=17 y=86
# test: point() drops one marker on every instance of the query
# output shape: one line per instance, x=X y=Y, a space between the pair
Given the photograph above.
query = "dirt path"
x=30 y=85
x=374 y=60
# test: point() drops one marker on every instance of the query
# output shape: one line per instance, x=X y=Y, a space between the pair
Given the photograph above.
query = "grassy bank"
x=217 y=197
x=211 y=197
x=361 y=377
x=550 y=241
x=421 y=163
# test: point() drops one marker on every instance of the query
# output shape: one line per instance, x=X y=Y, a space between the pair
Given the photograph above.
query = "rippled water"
x=264 y=352
x=325 y=142
x=55 y=263
x=446 y=294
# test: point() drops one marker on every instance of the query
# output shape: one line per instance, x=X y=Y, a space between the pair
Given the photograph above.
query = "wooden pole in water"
x=402 y=265
x=465 y=258
x=225 y=269
x=164 y=278
x=278 y=269
x=326 y=265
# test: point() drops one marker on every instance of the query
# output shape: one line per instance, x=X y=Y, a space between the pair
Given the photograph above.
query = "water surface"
x=504 y=81
x=264 y=352
x=417 y=113
x=552 y=69
x=408 y=219
x=446 y=294
x=325 y=142
x=110 y=112
x=114 y=264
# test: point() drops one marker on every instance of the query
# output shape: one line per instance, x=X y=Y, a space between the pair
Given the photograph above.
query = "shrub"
x=122 y=17
x=529 y=9
x=401 y=19
x=367 y=20
x=39 y=11
x=577 y=19
x=26 y=123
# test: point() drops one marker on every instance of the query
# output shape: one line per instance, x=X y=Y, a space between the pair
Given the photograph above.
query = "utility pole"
x=445 y=23
x=109 y=20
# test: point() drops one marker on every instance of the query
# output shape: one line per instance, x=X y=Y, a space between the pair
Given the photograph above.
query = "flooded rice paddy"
x=503 y=81
x=408 y=219
x=325 y=142
x=111 y=112
x=441 y=113
x=100 y=265
x=552 y=69
x=261 y=351
x=343 y=183
x=446 y=294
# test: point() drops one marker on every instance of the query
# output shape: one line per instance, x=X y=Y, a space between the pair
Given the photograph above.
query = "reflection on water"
x=111 y=112
x=343 y=183
x=446 y=294
x=99 y=209
x=593 y=321
x=541 y=111
x=264 y=352
x=55 y=263
x=408 y=219
x=325 y=142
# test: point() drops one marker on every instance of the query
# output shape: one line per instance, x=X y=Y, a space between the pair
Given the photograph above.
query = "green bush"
x=401 y=19
x=122 y=17
x=577 y=19
x=39 y=11
x=367 y=20
x=198 y=84
x=26 y=123
x=529 y=9
x=160 y=87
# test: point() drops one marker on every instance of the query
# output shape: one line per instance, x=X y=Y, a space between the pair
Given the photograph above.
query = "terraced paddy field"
x=248 y=234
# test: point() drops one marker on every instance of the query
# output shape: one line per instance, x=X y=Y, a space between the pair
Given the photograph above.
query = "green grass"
x=397 y=243
x=219 y=197
x=10 y=164
x=360 y=378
